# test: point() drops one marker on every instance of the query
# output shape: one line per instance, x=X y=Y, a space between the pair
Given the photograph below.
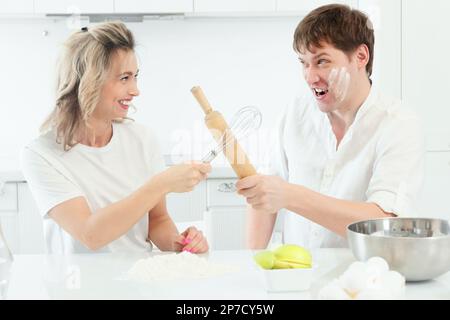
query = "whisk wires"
x=244 y=122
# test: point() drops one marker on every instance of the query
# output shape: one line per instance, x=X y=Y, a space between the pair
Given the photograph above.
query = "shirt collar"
x=367 y=104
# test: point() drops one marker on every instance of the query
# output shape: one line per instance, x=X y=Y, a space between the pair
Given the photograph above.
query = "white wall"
x=237 y=61
x=26 y=61
x=426 y=73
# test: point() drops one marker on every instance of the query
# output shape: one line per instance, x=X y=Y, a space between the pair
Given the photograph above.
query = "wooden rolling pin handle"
x=201 y=98
x=217 y=126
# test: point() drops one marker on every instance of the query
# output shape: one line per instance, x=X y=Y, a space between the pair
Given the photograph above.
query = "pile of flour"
x=176 y=266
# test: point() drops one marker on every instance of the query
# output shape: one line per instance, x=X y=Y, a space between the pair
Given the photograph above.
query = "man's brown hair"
x=339 y=25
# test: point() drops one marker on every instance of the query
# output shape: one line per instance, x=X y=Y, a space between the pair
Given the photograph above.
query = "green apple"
x=280 y=264
x=265 y=259
x=292 y=256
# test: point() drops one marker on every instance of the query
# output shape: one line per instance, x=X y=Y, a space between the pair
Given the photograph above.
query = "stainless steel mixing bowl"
x=418 y=248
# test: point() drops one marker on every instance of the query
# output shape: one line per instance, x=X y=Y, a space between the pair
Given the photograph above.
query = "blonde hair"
x=82 y=70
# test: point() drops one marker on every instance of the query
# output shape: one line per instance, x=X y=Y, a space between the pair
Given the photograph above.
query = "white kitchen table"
x=101 y=276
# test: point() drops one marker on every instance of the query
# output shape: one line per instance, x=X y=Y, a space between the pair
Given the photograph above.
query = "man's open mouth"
x=319 y=92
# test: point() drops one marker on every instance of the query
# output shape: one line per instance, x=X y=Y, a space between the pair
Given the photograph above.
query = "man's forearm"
x=259 y=228
x=334 y=214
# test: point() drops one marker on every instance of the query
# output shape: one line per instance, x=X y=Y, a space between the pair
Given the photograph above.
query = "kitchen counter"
x=101 y=276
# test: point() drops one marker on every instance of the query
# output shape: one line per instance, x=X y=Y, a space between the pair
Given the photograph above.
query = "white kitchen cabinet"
x=17 y=7
x=437 y=139
x=10 y=228
x=225 y=227
x=385 y=16
x=211 y=6
x=425 y=76
x=222 y=193
x=73 y=6
x=9 y=214
x=225 y=216
x=30 y=226
x=185 y=207
x=20 y=220
x=305 y=6
x=8 y=198
x=154 y=6
x=433 y=202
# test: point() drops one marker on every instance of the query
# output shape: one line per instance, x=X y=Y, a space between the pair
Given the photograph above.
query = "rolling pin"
x=217 y=125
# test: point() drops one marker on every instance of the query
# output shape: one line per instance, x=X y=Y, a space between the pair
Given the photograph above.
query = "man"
x=343 y=154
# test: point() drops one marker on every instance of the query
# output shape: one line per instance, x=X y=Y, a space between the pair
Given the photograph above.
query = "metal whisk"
x=244 y=122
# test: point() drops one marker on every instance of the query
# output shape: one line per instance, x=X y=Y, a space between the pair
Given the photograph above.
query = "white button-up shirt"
x=379 y=160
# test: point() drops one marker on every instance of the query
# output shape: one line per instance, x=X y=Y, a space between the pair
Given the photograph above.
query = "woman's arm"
x=162 y=230
x=109 y=223
x=164 y=234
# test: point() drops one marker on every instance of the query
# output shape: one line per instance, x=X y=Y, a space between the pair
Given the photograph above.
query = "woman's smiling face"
x=120 y=87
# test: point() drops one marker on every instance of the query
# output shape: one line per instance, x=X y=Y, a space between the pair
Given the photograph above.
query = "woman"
x=96 y=176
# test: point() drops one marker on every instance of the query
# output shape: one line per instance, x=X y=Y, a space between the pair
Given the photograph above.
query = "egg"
x=375 y=267
x=333 y=291
x=378 y=263
x=394 y=282
x=355 y=278
x=357 y=265
x=366 y=281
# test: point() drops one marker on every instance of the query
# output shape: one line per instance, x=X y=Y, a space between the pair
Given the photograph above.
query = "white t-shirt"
x=101 y=175
x=380 y=160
